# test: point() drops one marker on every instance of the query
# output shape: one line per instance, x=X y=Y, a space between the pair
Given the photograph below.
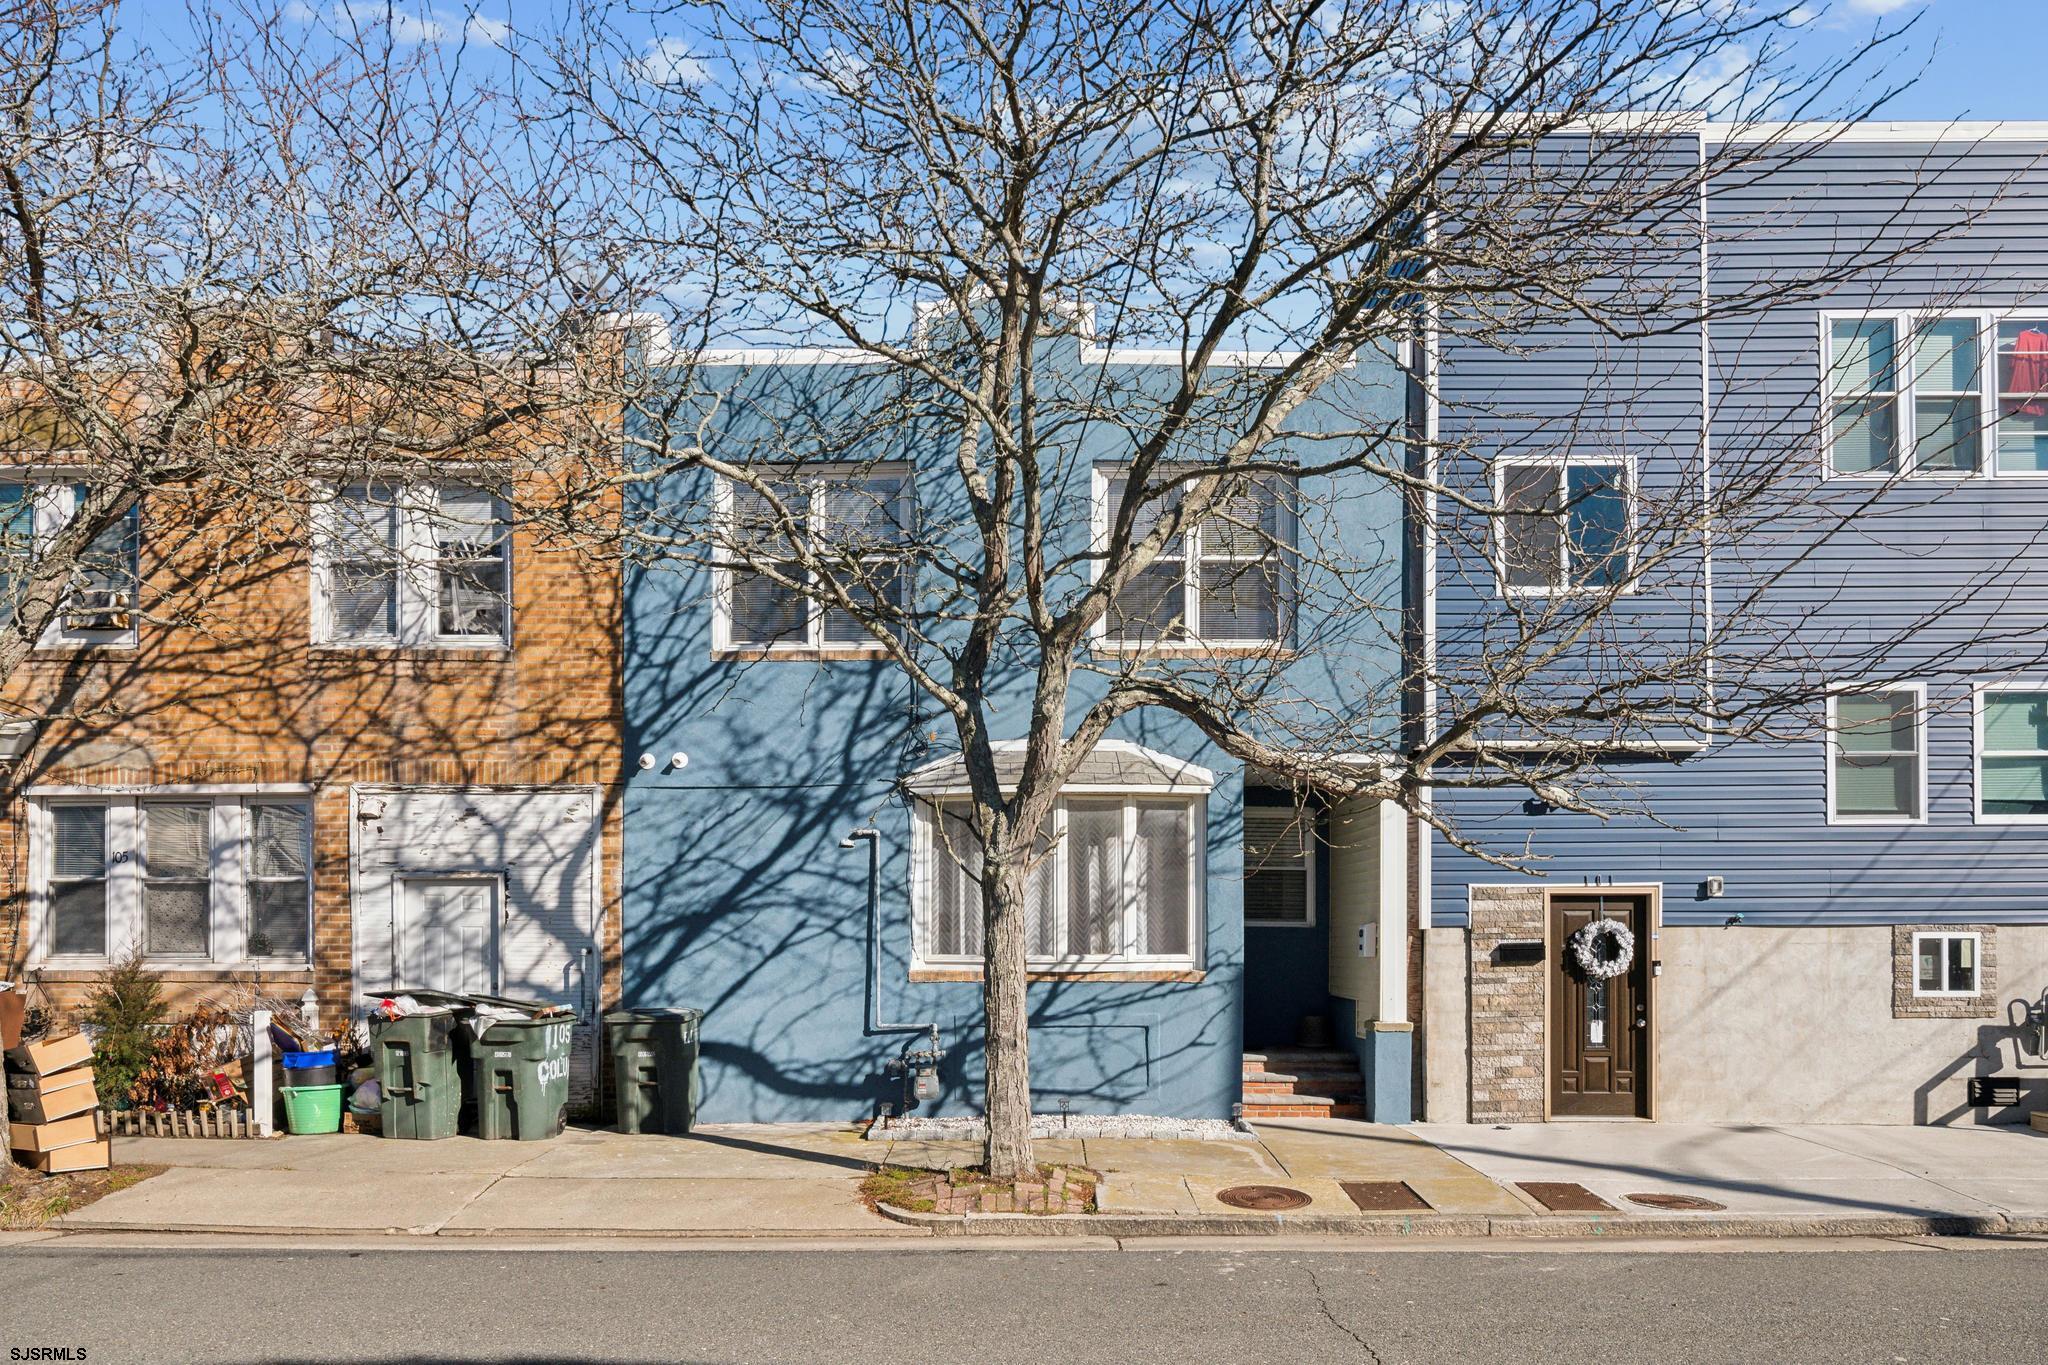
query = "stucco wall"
x=1773 y=1025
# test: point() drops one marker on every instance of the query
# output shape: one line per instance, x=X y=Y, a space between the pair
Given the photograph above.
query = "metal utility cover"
x=1384 y=1196
x=1561 y=1196
x=1263 y=1198
x=1676 y=1203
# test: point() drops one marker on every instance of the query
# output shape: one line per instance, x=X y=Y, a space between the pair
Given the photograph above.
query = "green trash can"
x=420 y=1061
x=519 y=1073
x=654 y=1064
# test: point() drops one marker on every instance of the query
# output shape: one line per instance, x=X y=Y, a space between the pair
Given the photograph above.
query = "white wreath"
x=1585 y=946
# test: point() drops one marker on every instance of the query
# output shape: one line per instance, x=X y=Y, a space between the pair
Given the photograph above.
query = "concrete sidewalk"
x=762 y=1181
x=1832 y=1170
x=802 y=1181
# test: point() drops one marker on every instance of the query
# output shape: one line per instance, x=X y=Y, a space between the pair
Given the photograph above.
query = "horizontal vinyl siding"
x=1939 y=580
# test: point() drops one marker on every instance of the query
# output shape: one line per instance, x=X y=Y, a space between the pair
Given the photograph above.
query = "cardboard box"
x=53 y=1097
x=13 y=1010
x=48 y=1137
x=86 y=1156
x=51 y=1054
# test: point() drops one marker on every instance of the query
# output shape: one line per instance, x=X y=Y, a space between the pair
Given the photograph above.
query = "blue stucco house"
x=1841 y=916
x=766 y=732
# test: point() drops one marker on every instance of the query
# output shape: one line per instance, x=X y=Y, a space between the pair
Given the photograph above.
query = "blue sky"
x=1968 y=59
x=1981 y=58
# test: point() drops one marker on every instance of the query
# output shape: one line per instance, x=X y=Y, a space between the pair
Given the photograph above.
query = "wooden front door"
x=1599 y=1029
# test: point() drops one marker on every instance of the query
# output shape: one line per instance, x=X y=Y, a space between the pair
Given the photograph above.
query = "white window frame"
x=1905 y=417
x=54 y=498
x=1287 y=524
x=228 y=923
x=1995 y=392
x=418 y=615
x=1979 y=749
x=1565 y=586
x=1832 y=752
x=926 y=867
x=1310 y=845
x=1946 y=936
x=726 y=564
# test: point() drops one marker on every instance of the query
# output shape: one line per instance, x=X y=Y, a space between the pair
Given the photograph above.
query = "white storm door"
x=448 y=934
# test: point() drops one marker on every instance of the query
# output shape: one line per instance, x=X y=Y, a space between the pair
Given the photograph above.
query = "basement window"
x=1946 y=964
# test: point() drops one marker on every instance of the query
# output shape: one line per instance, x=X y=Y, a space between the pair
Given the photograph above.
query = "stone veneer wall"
x=1983 y=1005
x=1506 y=1027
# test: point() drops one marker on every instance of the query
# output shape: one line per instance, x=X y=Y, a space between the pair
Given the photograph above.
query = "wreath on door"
x=1603 y=949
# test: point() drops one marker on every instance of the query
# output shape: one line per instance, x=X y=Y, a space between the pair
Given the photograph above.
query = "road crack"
x=1323 y=1307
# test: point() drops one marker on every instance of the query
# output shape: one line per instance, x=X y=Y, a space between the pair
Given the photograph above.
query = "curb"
x=1517 y=1227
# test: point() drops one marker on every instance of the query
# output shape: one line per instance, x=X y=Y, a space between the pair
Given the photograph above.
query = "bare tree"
x=1201 y=246
x=247 y=264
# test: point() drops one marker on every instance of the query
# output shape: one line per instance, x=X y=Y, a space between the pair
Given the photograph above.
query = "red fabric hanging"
x=2029 y=370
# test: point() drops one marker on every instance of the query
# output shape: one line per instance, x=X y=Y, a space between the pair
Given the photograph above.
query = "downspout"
x=875 y=1026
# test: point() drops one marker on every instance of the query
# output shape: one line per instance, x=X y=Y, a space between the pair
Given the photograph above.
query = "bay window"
x=1116 y=882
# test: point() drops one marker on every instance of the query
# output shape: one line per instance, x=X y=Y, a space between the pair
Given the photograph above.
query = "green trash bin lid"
x=656 y=1012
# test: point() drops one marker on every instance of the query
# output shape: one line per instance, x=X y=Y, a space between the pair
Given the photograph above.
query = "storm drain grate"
x=1264 y=1198
x=1676 y=1203
x=1384 y=1196
x=1561 y=1196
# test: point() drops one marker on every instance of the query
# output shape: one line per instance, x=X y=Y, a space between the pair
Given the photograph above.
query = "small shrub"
x=124 y=1011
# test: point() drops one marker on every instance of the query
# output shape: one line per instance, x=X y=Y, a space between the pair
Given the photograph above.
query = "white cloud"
x=300 y=12
x=482 y=30
x=1879 y=6
x=669 y=61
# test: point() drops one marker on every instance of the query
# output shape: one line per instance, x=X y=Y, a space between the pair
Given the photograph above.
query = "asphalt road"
x=1185 y=1306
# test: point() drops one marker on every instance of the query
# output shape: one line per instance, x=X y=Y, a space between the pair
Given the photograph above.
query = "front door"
x=448 y=934
x=1599 y=1027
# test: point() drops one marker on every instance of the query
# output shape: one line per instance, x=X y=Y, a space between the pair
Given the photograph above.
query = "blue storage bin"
x=299 y=1061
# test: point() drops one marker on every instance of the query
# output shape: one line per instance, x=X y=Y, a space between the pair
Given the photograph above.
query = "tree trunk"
x=1006 y=1152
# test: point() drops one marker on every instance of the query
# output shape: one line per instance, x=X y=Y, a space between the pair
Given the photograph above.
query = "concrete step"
x=2038 y=1121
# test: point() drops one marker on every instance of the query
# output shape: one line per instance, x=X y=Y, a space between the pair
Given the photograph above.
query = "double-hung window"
x=787 y=543
x=1279 y=865
x=2012 y=753
x=419 y=564
x=1946 y=963
x=2022 y=395
x=1565 y=525
x=1116 y=882
x=1877 y=760
x=194 y=879
x=99 y=607
x=1228 y=580
x=1905 y=393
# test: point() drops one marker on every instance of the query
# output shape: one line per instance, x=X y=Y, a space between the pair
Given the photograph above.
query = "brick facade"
x=1983 y=1005
x=224 y=686
x=1506 y=1025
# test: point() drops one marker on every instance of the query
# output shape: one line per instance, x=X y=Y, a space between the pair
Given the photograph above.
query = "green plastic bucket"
x=312 y=1108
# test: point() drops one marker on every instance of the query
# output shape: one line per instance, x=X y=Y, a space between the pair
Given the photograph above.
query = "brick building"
x=379 y=748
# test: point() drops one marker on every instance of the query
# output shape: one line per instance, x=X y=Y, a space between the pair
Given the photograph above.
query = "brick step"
x=1271 y=1083
x=1301 y=1107
x=1283 y=1057
x=1348 y=1066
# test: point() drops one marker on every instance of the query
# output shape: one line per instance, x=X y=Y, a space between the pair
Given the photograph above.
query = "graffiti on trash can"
x=553 y=1069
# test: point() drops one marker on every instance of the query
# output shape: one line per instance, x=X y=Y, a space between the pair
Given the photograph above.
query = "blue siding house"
x=1842 y=917
x=766 y=733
